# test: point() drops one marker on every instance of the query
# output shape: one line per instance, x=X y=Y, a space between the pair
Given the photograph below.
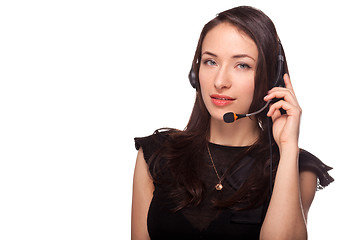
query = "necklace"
x=218 y=186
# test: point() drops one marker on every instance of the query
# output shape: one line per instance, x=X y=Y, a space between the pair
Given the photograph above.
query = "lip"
x=221 y=100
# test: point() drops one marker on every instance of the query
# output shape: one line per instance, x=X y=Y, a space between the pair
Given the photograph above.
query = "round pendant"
x=219 y=186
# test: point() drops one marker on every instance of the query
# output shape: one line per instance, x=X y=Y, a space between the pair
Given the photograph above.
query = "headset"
x=231 y=117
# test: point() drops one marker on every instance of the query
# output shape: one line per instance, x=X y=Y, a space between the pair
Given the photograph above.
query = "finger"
x=287 y=81
x=279 y=89
x=273 y=109
x=284 y=93
x=289 y=108
x=275 y=115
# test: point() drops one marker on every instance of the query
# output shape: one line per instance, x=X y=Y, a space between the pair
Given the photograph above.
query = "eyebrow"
x=235 y=56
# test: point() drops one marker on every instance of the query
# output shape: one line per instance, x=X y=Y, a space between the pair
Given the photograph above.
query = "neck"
x=243 y=132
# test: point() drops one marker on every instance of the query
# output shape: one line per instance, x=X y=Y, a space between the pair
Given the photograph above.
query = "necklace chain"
x=218 y=186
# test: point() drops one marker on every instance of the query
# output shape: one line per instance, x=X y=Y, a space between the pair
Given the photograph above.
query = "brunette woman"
x=242 y=180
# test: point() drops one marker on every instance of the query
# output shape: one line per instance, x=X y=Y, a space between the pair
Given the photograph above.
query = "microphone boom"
x=230 y=117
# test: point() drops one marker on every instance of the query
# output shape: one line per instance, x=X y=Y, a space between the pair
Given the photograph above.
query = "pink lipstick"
x=221 y=100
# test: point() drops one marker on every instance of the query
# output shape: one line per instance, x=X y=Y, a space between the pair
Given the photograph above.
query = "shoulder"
x=310 y=163
x=153 y=143
x=158 y=137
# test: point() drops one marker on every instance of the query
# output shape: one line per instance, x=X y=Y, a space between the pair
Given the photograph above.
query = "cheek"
x=202 y=76
x=244 y=83
x=245 y=93
x=247 y=88
x=205 y=83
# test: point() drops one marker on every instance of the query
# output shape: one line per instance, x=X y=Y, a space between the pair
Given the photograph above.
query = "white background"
x=81 y=79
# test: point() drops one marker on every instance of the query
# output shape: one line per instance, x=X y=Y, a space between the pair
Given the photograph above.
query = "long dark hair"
x=181 y=154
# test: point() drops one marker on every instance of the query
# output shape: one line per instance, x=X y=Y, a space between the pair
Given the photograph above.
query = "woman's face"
x=227 y=70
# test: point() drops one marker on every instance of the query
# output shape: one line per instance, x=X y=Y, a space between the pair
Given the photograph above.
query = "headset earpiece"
x=193 y=78
x=279 y=79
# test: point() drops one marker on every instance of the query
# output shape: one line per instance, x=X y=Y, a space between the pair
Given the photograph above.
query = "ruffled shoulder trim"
x=309 y=162
x=151 y=144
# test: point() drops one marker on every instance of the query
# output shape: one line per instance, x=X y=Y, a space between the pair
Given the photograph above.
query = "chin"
x=218 y=116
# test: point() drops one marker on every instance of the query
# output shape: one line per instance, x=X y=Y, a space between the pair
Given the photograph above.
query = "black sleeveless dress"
x=205 y=221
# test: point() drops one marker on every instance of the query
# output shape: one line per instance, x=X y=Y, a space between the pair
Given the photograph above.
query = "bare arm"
x=143 y=189
x=292 y=196
x=308 y=185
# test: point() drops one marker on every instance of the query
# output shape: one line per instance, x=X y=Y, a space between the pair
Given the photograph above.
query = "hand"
x=285 y=127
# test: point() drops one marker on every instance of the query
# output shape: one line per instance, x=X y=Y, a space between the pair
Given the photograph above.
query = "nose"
x=222 y=79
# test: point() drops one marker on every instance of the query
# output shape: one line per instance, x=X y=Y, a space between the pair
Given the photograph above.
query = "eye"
x=210 y=62
x=243 y=66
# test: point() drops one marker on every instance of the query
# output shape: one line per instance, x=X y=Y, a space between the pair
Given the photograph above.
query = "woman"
x=242 y=180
